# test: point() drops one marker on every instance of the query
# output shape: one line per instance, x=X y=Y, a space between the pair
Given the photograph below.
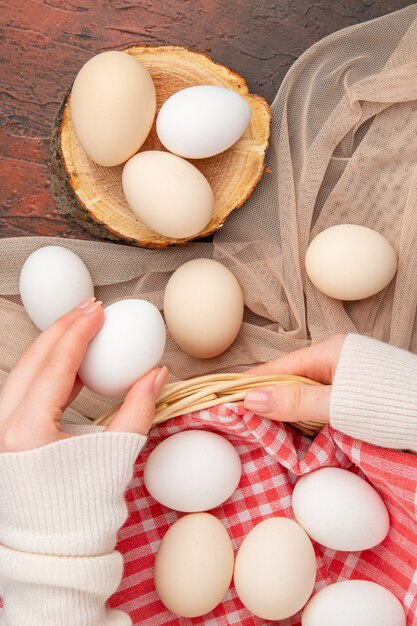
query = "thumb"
x=290 y=403
x=138 y=409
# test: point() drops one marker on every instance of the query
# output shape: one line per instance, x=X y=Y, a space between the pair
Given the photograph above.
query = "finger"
x=31 y=361
x=54 y=383
x=78 y=385
x=25 y=434
x=290 y=403
x=317 y=362
x=138 y=410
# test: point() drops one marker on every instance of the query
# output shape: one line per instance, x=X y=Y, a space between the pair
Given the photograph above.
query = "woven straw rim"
x=203 y=392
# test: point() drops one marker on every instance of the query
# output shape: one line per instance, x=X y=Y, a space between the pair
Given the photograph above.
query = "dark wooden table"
x=44 y=43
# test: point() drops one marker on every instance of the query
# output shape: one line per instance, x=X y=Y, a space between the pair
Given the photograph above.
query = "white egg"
x=194 y=470
x=53 y=280
x=202 y=121
x=350 y=262
x=354 y=603
x=275 y=569
x=129 y=344
x=340 y=510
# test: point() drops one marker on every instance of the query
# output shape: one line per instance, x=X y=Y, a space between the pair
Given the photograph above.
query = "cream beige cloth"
x=343 y=149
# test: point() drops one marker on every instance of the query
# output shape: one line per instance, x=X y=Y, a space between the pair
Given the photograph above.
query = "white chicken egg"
x=201 y=121
x=275 y=569
x=354 y=603
x=194 y=565
x=194 y=470
x=169 y=194
x=112 y=105
x=340 y=510
x=350 y=262
x=53 y=280
x=129 y=344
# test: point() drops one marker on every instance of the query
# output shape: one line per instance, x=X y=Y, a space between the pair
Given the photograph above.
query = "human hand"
x=44 y=382
x=298 y=402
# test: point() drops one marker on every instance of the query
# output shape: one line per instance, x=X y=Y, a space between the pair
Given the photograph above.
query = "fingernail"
x=160 y=380
x=92 y=307
x=84 y=304
x=259 y=401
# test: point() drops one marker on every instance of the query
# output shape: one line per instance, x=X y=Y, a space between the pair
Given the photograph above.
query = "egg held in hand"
x=340 y=510
x=202 y=121
x=129 y=344
x=167 y=193
x=194 y=470
x=275 y=569
x=194 y=565
x=112 y=106
x=53 y=280
x=203 y=307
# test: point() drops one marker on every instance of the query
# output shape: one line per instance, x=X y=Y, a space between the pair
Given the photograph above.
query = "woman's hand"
x=292 y=403
x=44 y=382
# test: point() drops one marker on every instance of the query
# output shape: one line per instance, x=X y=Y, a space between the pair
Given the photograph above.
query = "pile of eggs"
x=113 y=108
x=193 y=472
x=274 y=571
x=203 y=302
x=203 y=307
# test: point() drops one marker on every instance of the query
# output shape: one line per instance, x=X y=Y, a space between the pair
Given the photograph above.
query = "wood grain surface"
x=44 y=43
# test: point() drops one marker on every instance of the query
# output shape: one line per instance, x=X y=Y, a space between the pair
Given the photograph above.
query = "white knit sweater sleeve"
x=374 y=393
x=60 y=509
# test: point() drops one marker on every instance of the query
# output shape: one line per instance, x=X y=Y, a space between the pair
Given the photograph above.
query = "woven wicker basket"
x=204 y=392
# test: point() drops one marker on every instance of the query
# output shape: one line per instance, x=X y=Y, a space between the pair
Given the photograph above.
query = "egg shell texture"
x=275 y=569
x=112 y=105
x=53 y=280
x=195 y=470
x=354 y=603
x=194 y=565
x=202 y=121
x=129 y=344
x=340 y=510
x=350 y=262
x=169 y=194
x=203 y=307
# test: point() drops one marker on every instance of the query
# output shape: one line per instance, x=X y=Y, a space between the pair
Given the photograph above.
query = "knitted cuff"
x=66 y=498
x=374 y=393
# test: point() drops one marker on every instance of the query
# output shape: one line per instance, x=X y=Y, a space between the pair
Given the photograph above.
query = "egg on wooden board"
x=203 y=307
x=53 y=280
x=340 y=510
x=354 y=603
x=112 y=105
x=202 y=121
x=350 y=262
x=194 y=565
x=275 y=569
x=194 y=470
x=167 y=193
x=129 y=344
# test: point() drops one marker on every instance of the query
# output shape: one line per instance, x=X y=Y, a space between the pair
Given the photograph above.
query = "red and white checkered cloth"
x=273 y=456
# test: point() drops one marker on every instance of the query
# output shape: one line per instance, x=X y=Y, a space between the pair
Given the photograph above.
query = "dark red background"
x=43 y=44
